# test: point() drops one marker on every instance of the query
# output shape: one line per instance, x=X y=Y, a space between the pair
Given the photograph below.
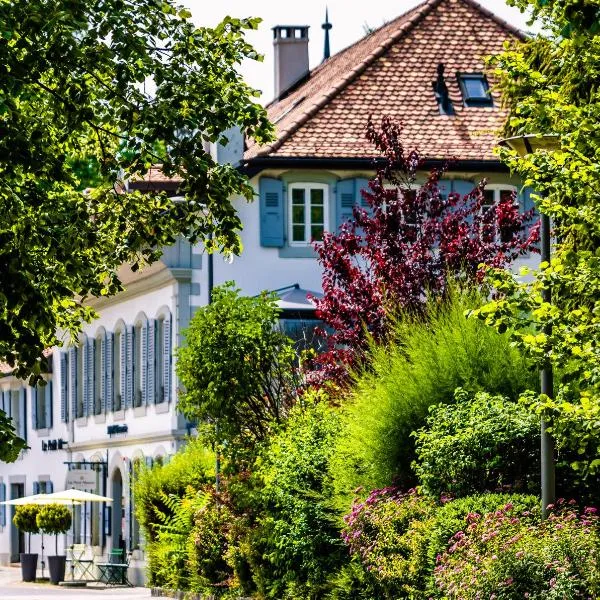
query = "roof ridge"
x=420 y=11
x=492 y=15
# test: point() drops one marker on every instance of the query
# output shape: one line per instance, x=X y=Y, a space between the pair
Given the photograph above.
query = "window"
x=308 y=213
x=119 y=372
x=475 y=89
x=492 y=196
x=42 y=397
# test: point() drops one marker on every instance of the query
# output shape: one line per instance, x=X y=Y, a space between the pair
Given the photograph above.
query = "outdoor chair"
x=114 y=572
x=81 y=563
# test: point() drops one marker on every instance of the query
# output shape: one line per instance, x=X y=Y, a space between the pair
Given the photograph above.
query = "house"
x=111 y=399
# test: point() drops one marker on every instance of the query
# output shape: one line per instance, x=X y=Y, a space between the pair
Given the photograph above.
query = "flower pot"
x=56 y=566
x=28 y=566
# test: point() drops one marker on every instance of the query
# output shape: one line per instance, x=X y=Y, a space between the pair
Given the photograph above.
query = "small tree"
x=237 y=368
x=402 y=250
x=25 y=520
x=54 y=519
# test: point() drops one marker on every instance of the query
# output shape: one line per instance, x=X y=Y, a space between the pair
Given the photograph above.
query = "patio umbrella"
x=36 y=499
x=73 y=495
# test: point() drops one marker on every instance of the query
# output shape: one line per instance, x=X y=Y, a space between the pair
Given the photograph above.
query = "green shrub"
x=295 y=543
x=54 y=519
x=420 y=367
x=483 y=443
x=25 y=520
x=505 y=557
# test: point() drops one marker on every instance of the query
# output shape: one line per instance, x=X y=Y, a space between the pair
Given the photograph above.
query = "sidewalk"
x=12 y=588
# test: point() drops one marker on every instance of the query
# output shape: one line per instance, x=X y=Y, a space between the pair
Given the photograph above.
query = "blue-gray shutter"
x=166 y=348
x=462 y=187
x=129 y=367
x=34 y=419
x=143 y=366
x=2 y=506
x=123 y=367
x=73 y=383
x=89 y=365
x=107 y=399
x=345 y=199
x=23 y=413
x=3 y=404
x=49 y=487
x=48 y=406
x=64 y=388
x=151 y=363
x=362 y=184
x=272 y=225
x=36 y=487
x=149 y=462
x=102 y=374
x=526 y=202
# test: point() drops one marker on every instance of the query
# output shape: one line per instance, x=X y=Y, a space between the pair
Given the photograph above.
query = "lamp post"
x=524 y=145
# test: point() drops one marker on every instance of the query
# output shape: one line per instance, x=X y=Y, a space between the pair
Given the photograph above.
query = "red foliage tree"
x=401 y=251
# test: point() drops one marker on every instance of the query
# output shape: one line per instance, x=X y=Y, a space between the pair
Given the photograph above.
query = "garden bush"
x=420 y=367
x=503 y=556
x=480 y=443
x=294 y=543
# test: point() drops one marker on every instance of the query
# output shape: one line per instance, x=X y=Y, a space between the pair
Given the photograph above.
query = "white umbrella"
x=73 y=495
x=37 y=499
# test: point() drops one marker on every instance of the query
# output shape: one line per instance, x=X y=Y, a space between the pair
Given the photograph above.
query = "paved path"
x=12 y=588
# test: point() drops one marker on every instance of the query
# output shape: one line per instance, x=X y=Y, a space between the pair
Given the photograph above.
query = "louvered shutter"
x=143 y=366
x=129 y=367
x=90 y=348
x=2 y=506
x=526 y=202
x=49 y=404
x=23 y=413
x=166 y=347
x=36 y=487
x=362 y=184
x=3 y=403
x=64 y=388
x=151 y=363
x=49 y=487
x=73 y=383
x=345 y=200
x=123 y=368
x=272 y=226
x=107 y=399
x=102 y=374
x=34 y=419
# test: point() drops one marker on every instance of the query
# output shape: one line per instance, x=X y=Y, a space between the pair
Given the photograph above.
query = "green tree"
x=74 y=112
x=237 y=368
x=25 y=520
x=54 y=519
x=551 y=85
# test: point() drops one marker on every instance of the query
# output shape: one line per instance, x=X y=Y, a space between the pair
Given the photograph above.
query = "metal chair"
x=81 y=563
x=114 y=572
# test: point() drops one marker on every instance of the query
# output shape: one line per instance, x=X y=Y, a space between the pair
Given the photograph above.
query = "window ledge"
x=297 y=252
x=43 y=432
x=81 y=421
x=139 y=411
x=119 y=415
x=101 y=418
x=162 y=408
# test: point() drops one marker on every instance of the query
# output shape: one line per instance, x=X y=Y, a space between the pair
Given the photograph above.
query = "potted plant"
x=55 y=519
x=25 y=520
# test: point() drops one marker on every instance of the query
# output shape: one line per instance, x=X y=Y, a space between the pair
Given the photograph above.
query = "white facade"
x=145 y=426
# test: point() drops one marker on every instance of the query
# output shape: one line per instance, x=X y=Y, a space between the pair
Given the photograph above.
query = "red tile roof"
x=390 y=72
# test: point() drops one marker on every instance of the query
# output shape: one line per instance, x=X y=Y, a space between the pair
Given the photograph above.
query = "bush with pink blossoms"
x=502 y=556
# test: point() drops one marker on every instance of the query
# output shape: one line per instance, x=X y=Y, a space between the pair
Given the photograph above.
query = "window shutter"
x=107 y=398
x=23 y=413
x=36 y=487
x=49 y=404
x=49 y=487
x=123 y=368
x=143 y=366
x=362 y=184
x=462 y=187
x=129 y=367
x=2 y=506
x=151 y=363
x=3 y=404
x=346 y=195
x=73 y=383
x=34 y=419
x=102 y=374
x=149 y=461
x=526 y=201
x=64 y=388
x=166 y=347
x=272 y=226
x=89 y=377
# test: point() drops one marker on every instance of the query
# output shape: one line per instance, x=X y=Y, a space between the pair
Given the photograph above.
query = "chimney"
x=291 y=56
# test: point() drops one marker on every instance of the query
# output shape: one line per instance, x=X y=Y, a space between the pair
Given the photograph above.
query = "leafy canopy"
x=550 y=83
x=75 y=77
x=237 y=368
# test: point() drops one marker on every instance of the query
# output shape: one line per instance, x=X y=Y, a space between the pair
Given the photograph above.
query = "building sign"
x=81 y=479
x=116 y=429
x=52 y=445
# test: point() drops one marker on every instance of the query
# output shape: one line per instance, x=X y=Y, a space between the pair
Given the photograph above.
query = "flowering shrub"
x=388 y=533
x=504 y=556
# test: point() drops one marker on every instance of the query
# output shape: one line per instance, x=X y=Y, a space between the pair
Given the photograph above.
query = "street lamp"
x=524 y=145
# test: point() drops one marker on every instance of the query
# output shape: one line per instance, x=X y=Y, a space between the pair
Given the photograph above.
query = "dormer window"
x=475 y=89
